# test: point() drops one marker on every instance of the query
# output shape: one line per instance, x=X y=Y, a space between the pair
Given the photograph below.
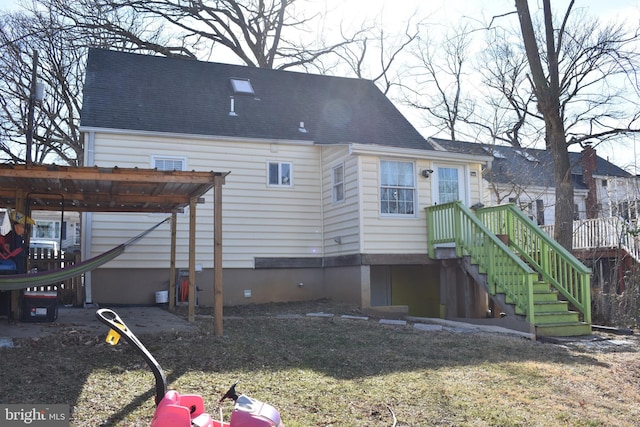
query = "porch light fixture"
x=426 y=173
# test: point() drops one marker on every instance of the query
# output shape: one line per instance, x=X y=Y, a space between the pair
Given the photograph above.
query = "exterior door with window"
x=449 y=184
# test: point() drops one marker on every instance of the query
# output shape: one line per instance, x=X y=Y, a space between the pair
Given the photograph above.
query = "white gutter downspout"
x=87 y=220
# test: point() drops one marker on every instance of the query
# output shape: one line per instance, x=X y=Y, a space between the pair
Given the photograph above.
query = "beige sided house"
x=325 y=197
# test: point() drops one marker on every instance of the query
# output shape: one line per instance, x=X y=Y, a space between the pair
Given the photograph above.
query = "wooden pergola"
x=98 y=189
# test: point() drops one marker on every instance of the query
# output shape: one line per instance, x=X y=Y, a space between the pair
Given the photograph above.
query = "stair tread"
x=551 y=302
x=563 y=324
x=550 y=313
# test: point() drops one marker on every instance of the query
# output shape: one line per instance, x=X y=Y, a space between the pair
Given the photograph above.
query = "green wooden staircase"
x=530 y=276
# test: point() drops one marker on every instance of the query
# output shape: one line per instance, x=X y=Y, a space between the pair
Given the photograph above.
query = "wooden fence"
x=44 y=259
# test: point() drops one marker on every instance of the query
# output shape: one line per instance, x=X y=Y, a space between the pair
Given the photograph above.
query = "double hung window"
x=397 y=188
x=337 y=183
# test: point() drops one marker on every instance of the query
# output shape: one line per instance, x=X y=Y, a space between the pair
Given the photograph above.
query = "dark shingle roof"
x=512 y=165
x=150 y=93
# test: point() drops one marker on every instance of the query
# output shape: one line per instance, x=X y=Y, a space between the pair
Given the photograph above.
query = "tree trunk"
x=564 y=185
x=547 y=90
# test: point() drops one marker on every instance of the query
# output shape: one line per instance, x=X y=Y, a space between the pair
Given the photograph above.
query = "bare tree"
x=385 y=49
x=566 y=74
x=61 y=48
x=440 y=74
x=59 y=69
x=507 y=113
x=260 y=33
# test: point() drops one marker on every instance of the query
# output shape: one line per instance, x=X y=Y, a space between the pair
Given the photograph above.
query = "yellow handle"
x=112 y=337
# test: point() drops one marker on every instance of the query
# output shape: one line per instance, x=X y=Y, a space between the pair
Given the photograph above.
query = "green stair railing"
x=506 y=273
x=554 y=263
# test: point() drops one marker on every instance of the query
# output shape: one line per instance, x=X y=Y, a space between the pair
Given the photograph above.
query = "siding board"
x=258 y=220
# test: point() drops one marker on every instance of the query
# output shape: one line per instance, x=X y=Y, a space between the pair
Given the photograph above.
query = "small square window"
x=242 y=86
x=168 y=163
x=280 y=174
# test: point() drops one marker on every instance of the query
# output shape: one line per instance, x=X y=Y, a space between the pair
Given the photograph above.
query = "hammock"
x=23 y=281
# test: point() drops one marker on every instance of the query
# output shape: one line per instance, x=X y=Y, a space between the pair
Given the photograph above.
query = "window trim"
x=335 y=184
x=279 y=184
x=156 y=157
x=413 y=188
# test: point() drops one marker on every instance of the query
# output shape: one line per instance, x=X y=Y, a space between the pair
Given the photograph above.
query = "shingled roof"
x=527 y=166
x=157 y=94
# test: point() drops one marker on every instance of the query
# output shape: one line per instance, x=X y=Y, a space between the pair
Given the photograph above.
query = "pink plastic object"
x=175 y=410
x=250 y=412
x=186 y=410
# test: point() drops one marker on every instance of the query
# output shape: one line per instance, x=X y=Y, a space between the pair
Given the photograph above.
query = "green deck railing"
x=554 y=263
x=506 y=273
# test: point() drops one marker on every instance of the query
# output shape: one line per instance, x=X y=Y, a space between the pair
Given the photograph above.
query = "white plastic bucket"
x=162 y=297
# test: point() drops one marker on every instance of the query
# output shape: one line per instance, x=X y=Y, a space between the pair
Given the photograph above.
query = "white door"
x=449 y=184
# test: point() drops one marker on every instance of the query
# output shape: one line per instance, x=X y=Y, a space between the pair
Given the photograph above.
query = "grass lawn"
x=335 y=372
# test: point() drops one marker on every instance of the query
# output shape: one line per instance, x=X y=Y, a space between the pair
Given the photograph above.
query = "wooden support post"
x=15 y=295
x=172 y=263
x=217 y=255
x=192 y=259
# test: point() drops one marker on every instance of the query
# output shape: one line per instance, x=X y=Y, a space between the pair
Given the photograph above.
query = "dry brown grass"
x=336 y=372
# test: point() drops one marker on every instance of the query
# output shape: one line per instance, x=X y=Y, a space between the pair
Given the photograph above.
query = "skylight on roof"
x=242 y=86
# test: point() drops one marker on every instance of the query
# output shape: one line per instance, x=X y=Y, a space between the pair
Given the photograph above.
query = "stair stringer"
x=511 y=319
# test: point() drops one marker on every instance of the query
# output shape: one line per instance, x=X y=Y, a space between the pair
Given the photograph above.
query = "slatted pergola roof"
x=97 y=189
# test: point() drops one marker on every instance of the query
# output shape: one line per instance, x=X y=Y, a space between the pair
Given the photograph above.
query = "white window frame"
x=52 y=231
x=399 y=187
x=281 y=182
x=337 y=186
x=157 y=158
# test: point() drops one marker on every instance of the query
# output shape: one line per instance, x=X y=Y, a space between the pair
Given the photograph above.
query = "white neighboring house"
x=64 y=229
x=618 y=196
x=325 y=196
x=54 y=229
x=524 y=176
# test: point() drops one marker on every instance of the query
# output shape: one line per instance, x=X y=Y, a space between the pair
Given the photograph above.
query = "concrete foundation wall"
x=127 y=286
x=138 y=286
